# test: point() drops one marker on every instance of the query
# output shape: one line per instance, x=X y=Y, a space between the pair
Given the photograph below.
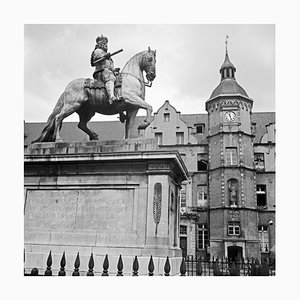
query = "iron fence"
x=190 y=266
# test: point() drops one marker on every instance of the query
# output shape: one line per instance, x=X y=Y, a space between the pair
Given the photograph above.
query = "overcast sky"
x=188 y=62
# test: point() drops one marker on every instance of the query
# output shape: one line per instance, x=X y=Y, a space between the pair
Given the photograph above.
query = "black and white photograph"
x=151 y=149
x=179 y=179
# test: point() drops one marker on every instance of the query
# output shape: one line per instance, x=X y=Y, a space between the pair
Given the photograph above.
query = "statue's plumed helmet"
x=101 y=40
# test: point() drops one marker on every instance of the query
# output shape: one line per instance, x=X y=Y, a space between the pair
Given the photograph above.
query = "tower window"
x=234 y=228
x=202 y=236
x=159 y=138
x=261 y=196
x=259 y=161
x=179 y=138
x=166 y=117
x=231 y=156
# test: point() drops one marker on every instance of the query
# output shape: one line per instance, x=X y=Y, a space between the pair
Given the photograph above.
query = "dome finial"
x=226 y=42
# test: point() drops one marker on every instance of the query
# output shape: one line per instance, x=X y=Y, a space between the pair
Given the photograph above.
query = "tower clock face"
x=229 y=116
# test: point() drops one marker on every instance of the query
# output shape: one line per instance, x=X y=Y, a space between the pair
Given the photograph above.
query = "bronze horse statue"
x=76 y=98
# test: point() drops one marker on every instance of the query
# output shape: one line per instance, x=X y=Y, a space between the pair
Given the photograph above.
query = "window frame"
x=203 y=193
x=202 y=236
x=261 y=192
x=264 y=238
x=180 y=231
x=183 y=191
x=200 y=125
x=234 y=226
x=231 y=153
x=179 y=138
x=167 y=117
x=158 y=138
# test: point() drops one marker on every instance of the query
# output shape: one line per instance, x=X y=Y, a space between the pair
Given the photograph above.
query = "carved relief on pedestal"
x=157 y=198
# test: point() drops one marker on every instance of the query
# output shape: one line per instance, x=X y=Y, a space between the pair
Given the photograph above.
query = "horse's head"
x=148 y=64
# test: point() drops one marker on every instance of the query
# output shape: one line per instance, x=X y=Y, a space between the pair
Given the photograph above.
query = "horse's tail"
x=48 y=131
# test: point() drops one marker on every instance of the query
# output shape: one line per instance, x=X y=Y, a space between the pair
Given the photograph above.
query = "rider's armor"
x=104 y=71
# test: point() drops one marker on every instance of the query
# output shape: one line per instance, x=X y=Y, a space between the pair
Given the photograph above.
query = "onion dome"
x=228 y=84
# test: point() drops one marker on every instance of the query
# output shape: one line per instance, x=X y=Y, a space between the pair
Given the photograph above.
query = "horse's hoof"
x=60 y=140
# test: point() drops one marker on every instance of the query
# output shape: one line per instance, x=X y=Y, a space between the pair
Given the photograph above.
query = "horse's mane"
x=133 y=59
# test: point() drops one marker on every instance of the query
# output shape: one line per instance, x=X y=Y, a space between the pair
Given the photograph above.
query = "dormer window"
x=200 y=128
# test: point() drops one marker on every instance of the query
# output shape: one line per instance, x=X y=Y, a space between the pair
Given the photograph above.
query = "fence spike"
x=105 y=266
x=135 y=266
x=120 y=266
x=167 y=267
x=91 y=266
x=76 y=266
x=62 y=271
x=48 y=271
x=151 y=267
x=182 y=267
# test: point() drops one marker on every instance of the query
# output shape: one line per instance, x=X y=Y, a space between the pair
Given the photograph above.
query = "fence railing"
x=189 y=267
x=225 y=267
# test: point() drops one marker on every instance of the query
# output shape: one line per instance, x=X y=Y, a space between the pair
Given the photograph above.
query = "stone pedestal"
x=115 y=198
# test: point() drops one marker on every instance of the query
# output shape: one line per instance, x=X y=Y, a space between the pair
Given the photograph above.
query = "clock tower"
x=233 y=216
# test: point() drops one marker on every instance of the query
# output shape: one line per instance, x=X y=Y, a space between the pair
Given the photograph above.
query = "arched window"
x=233 y=192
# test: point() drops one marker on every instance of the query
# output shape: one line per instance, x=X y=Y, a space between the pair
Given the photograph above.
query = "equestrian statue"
x=109 y=93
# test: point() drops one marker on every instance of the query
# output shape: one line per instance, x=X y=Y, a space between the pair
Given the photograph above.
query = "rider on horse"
x=104 y=68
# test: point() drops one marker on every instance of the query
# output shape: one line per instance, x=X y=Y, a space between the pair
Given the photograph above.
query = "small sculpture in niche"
x=233 y=193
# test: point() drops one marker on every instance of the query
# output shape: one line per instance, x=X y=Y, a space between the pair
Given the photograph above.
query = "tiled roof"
x=114 y=130
x=228 y=86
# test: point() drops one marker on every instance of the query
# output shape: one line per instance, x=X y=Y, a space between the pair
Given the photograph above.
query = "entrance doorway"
x=183 y=245
x=235 y=253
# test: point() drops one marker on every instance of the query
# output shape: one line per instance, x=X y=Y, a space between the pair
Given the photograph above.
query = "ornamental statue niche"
x=109 y=92
x=233 y=192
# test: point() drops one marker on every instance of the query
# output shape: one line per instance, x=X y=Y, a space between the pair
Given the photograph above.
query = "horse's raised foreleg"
x=140 y=103
x=84 y=117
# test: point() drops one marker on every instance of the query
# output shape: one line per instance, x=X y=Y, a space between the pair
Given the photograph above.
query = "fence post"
x=265 y=268
x=91 y=266
x=62 y=271
x=120 y=267
x=105 y=266
x=233 y=270
x=76 y=266
x=182 y=267
x=199 y=269
x=48 y=271
x=135 y=267
x=151 y=267
x=216 y=268
x=34 y=272
x=167 y=267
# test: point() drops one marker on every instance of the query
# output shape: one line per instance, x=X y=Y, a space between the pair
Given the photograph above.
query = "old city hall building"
x=228 y=202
